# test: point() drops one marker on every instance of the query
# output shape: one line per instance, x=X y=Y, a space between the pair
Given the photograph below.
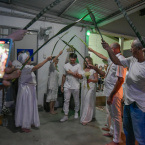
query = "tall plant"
x=61 y=31
x=94 y=22
x=42 y=12
x=57 y=42
x=130 y=22
x=70 y=41
x=71 y=46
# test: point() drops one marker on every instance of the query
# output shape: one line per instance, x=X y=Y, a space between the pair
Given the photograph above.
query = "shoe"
x=65 y=118
x=76 y=116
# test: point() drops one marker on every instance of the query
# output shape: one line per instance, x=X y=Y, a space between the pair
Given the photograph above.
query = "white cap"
x=22 y=57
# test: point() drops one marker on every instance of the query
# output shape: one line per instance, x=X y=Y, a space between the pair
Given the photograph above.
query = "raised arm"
x=41 y=64
x=98 y=54
x=17 y=35
x=102 y=73
x=112 y=56
x=58 y=55
x=95 y=80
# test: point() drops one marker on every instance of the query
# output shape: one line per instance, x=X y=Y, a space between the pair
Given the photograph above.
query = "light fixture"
x=88 y=32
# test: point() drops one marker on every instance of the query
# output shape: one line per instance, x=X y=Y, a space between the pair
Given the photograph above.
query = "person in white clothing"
x=53 y=82
x=88 y=92
x=26 y=113
x=113 y=91
x=134 y=109
x=71 y=85
x=16 y=63
x=103 y=73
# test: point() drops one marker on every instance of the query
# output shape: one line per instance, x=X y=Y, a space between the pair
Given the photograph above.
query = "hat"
x=22 y=57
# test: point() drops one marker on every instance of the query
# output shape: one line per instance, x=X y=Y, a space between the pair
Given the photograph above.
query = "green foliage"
x=57 y=42
x=61 y=31
x=74 y=49
x=94 y=22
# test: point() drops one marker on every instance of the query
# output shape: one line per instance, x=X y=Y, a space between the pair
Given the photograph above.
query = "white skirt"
x=51 y=95
x=26 y=107
x=87 y=110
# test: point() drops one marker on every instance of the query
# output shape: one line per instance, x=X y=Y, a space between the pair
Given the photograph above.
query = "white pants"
x=108 y=120
x=67 y=95
x=116 y=121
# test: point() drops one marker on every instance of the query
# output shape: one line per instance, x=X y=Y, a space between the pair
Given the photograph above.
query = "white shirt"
x=16 y=64
x=135 y=82
x=113 y=72
x=72 y=82
x=27 y=76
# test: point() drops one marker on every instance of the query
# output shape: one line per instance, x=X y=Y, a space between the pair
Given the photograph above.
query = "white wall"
x=95 y=43
x=127 y=44
x=42 y=75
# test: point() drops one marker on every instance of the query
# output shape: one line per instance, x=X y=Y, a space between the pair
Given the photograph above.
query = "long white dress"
x=53 y=78
x=26 y=105
x=88 y=97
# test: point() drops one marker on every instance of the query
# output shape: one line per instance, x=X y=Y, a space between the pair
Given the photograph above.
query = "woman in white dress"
x=53 y=83
x=26 y=105
x=88 y=92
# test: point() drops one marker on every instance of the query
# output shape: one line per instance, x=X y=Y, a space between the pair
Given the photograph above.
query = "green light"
x=88 y=32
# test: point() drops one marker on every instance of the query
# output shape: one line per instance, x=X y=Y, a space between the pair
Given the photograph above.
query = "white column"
x=121 y=42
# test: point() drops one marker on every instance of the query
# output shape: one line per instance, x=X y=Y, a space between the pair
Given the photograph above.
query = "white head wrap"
x=22 y=57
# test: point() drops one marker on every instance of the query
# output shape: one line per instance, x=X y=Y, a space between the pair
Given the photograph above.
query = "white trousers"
x=67 y=95
x=108 y=120
x=116 y=121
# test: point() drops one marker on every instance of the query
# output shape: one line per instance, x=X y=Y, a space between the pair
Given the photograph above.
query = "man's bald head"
x=115 y=47
x=137 y=44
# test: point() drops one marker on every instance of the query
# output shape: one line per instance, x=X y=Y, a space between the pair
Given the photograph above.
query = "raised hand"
x=60 y=52
x=105 y=45
x=49 y=58
x=17 y=35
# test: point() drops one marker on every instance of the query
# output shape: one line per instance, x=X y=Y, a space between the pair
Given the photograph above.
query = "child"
x=26 y=105
x=53 y=83
x=88 y=92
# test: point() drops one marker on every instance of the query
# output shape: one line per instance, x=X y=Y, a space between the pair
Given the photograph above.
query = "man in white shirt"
x=134 y=110
x=113 y=91
x=71 y=85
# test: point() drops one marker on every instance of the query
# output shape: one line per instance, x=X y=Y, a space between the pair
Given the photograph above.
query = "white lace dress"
x=26 y=105
x=53 y=79
x=88 y=98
